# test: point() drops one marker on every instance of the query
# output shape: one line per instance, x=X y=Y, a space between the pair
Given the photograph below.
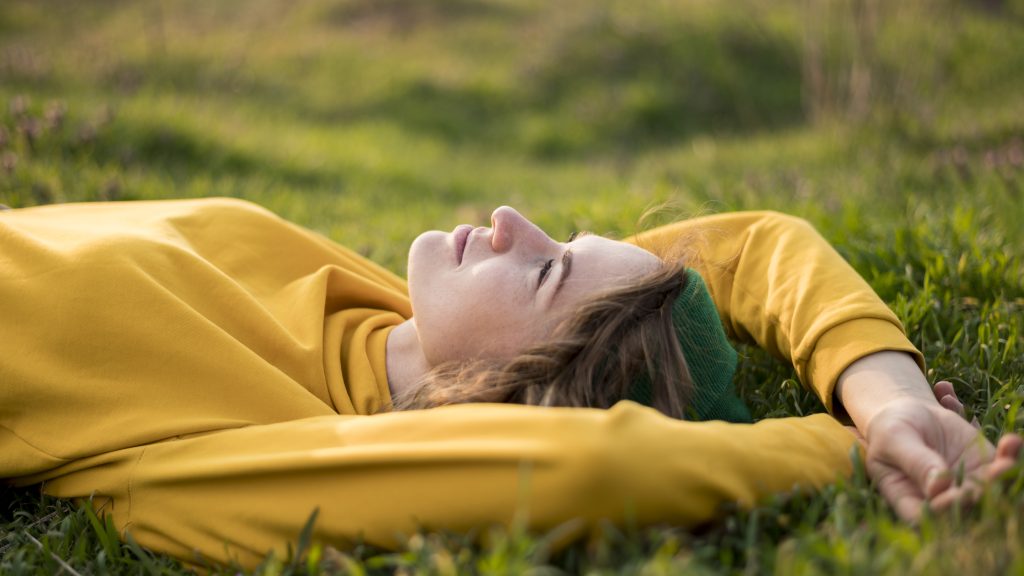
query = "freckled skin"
x=492 y=304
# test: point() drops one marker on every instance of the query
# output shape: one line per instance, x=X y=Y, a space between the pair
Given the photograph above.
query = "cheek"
x=476 y=313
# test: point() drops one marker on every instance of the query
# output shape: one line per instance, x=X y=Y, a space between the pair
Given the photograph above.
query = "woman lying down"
x=208 y=374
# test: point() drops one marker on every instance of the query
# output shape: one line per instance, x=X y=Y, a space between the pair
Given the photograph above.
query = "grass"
x=896 y=128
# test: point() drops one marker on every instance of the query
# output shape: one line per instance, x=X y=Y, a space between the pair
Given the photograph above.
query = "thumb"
x=925 y=467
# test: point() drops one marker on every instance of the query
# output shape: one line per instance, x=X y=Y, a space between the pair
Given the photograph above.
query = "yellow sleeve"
x=237 y=494
x=777 y=282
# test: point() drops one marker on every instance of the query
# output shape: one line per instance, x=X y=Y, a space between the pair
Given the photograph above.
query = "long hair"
x=592 y=359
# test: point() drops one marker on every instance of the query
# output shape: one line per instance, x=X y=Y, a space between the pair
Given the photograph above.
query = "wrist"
x=878 y=380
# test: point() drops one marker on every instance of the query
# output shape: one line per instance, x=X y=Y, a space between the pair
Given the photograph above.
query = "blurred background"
x=372 y=120
x=895 y=127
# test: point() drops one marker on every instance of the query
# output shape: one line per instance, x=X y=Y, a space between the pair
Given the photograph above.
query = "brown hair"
x=593 y=358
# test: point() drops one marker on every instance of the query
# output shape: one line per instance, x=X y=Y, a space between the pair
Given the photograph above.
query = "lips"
x=461 y=235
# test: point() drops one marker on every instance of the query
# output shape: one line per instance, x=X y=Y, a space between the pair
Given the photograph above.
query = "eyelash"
x=545 y=270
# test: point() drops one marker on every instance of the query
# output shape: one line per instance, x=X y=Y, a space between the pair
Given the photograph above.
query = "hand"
x=915 y=449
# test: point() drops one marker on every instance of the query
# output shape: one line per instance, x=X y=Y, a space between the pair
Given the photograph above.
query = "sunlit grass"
x=372 y=121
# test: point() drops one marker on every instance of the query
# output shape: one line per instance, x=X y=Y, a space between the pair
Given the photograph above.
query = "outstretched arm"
x=235 y=494
x=777 y=282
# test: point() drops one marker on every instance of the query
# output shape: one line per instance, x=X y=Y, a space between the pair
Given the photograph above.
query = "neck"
x=405 y=361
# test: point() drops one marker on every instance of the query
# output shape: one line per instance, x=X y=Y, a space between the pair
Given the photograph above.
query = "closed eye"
x=544 y=271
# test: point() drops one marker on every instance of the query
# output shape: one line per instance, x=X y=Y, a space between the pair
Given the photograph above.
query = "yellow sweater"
x=132 y=323
x=204 y=368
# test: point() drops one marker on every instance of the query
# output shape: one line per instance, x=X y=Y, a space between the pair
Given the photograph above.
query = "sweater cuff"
x=845 y=344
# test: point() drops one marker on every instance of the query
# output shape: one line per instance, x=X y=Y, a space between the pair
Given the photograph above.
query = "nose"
x=512 y=228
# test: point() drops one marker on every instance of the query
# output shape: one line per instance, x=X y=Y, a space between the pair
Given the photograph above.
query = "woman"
x=202 y=369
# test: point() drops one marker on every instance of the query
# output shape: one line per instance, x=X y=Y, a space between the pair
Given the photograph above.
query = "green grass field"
x=897 y=128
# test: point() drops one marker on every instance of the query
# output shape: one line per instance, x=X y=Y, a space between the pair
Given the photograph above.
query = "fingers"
x=946 y=396
x=924 y=467
x=943 y=388
x=948 y=399
x=898 y=490
x=1009 y=447
x=909 y=507
x=1008 y=452
x=953 y=403
x=964 y=495
x=961 y=496
x=998 y=468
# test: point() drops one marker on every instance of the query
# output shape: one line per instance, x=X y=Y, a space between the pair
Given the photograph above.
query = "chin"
x=429 y=254
x=430 y=249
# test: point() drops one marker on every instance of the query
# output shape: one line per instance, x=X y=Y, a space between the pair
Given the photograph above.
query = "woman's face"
x=492 y=292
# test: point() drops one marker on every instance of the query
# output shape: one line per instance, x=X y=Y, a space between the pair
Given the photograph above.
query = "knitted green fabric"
x=709 y=357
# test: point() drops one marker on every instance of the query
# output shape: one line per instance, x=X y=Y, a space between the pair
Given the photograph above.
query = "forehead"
x=600 y=264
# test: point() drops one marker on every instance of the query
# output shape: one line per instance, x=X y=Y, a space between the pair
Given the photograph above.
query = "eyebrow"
x=566 y=270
